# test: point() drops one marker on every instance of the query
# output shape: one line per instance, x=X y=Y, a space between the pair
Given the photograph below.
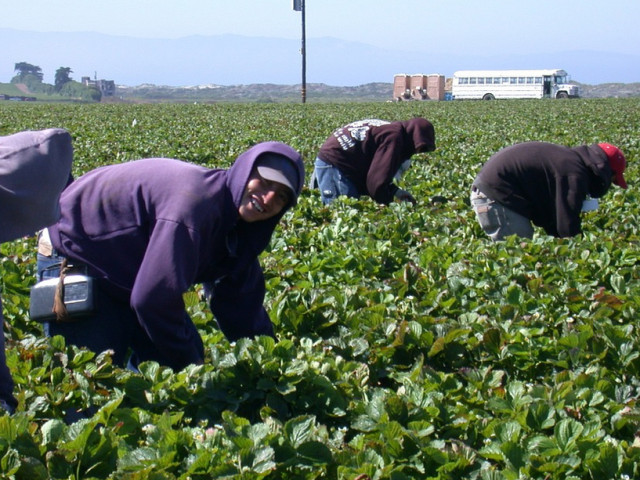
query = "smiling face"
x=263 y=198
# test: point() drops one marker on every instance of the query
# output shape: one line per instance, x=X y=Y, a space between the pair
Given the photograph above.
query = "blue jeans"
x=332 y=182
x=114 y=326
x=498 y=221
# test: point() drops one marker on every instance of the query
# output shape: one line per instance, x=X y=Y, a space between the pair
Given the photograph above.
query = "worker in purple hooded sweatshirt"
x=148 y=230
x=365 y=157
x=34 y=168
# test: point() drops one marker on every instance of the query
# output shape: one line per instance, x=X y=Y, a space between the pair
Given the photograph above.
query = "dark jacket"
x=369 y=152
x=152 y=228
x=546 y=183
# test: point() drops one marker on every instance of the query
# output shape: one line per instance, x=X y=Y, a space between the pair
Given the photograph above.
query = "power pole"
x=298 y=6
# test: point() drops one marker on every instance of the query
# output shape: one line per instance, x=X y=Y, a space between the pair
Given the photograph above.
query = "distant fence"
x=17 y=98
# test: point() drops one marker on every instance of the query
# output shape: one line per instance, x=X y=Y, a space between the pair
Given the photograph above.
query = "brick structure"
x=401 y=87
x=418 y=87
x=435 y=87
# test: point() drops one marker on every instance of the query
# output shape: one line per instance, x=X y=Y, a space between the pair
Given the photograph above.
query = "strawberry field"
x=409 y=346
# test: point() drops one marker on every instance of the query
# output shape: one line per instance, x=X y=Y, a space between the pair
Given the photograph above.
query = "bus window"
x=479 y=84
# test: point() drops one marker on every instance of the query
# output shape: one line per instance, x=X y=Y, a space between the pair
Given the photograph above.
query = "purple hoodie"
x=152 y=228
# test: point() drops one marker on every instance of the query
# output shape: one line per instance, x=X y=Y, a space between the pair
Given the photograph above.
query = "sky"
x=487 y=27
x=471 y=25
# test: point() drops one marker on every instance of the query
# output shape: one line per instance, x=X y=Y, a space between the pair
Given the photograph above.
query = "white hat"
x=278 y=168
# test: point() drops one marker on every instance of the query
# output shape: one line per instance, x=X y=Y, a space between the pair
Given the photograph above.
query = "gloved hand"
x=404 y=196
x=438 y=199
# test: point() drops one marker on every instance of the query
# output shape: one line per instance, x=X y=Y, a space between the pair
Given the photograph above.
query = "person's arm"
x=570 y=194
x=237 y=304
x=166 y=272
x=384 y=165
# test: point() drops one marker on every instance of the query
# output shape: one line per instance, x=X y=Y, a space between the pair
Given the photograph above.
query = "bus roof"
x=508 y=73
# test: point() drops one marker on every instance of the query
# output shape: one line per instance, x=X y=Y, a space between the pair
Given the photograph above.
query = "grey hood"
x=34 y=168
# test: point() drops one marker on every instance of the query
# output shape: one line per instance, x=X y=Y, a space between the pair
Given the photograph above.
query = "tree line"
x=32 y=77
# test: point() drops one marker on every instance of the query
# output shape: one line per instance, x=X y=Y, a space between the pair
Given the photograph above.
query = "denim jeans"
x=332 y=182
x=498 y=221
x=114 y=326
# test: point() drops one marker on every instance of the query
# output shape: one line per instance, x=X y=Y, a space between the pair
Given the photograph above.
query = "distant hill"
x=267 y=93
x=316 y=92
x=235 y=60
x=611 y=90
x=10 y=89
x=264 y=93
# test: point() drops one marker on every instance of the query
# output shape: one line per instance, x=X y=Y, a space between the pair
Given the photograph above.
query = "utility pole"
x=298 y=6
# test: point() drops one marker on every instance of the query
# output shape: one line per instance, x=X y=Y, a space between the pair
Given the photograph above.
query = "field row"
x=409 y=346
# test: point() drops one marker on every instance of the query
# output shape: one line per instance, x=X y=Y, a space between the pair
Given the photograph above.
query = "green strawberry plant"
x=408 y=346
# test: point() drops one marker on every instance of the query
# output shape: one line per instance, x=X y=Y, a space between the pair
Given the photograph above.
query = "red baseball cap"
x=617 y=162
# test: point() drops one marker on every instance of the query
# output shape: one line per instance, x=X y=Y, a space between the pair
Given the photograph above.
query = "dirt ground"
x=22 y=87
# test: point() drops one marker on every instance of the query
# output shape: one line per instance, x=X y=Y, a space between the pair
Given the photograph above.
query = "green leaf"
x=515 y=454
x=299 y=430
x=566 y=433
x=264 y=460
x=606 y=463
x=540 y=416
x=315 y=453
x=138 y=457
x=509 y=431
x=52 y=431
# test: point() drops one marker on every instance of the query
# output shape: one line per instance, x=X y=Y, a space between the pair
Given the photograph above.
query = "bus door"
x=546 y=86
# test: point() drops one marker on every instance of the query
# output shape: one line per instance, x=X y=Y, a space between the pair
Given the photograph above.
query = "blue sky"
x=461 y=26
x=488 y=28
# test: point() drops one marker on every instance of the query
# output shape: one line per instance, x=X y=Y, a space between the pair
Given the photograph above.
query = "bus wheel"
x=488 y=96
x=562 y=95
